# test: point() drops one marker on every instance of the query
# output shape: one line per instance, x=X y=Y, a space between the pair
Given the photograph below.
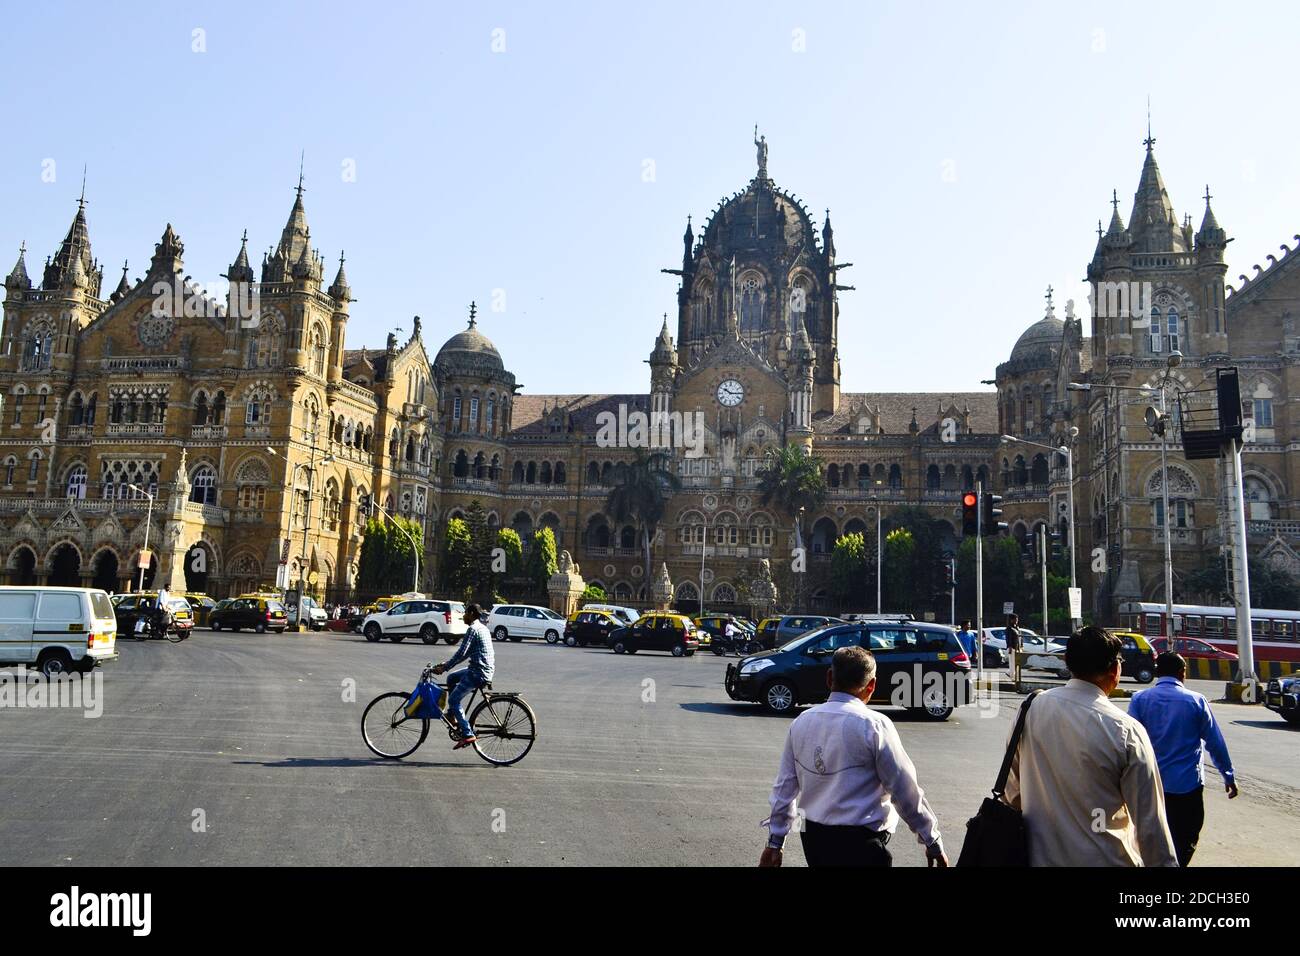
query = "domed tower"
x=1026 y=381
x=475 y=403
x=759 y=271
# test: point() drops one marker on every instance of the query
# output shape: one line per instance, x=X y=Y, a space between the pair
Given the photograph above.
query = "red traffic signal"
x=970 y=514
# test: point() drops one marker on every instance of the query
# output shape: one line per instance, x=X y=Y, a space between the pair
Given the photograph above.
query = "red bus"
x=1275 y=634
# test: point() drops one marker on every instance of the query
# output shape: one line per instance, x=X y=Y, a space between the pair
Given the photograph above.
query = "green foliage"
x=1270 y=587
x=898 y=584
x=790 y=480
x=593 y=592
x=481 y=579
x=849 y=567
x=387 y=560
x=456 y=552
x=541 y=562
x=640 y=496
x=508 y=541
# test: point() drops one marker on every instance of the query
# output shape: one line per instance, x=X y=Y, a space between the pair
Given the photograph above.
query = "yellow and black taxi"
x=1138 y=655
x=922 y=667
x=257 y=612
x=657 y=631
x=200 y=606
x=766 y=633
x=587 y=626
x=128 y=608
x=713 y=633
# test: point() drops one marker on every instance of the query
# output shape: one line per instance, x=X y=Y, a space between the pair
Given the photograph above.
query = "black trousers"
x=1186 y=815
x=844 y=846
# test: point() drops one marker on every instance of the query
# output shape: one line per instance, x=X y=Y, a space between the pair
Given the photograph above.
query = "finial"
x=1208 y=197
x=473 y=312
x=341 y=260
x=302 y=159
x=1114 y=199
x=22 y=248
x=81 y=203
x=1150 y=140
x=123 y=268
x=1099 y=229
x=1048 y=297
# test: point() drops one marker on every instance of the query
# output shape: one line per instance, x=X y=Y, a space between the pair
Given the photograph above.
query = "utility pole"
x=1042 y=570
x=1240 y=573
x=979 y=583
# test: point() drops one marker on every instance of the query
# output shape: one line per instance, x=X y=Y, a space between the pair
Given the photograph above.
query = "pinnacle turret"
x=123 y=287
x=339 y=288
x=18 y=278
x=240 y=269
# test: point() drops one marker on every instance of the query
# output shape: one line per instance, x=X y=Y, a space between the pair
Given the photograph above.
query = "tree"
x=848 y=567
x=640 y=495
x=541 y=559
x=456 y=554
x=508 y=541
x=387 y=555
x=899 y=585
x=480 y=578
x=1270 y=587
x=593 y=592
x=790 y=480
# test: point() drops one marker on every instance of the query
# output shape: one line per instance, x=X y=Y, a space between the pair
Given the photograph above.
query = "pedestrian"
x=1182 y=727
x=1013 y=643
x=1085 y=774
x=846 y=766
x=967 y=638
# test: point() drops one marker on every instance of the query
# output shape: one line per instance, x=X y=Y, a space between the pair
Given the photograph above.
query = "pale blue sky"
x=522 y=170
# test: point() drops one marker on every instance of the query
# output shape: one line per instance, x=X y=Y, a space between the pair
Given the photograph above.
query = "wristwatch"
x=775 y=842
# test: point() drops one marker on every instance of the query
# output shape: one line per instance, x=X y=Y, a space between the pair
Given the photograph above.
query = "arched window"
x=10 y=464
x=77 y=482
x=203 y=486
x=251 y=482
x=932 y=478
x=1172 y=330
x=517 y=473
x=218 y=416
x=489 y=415
x=318 y=351
x=332 y=506
x=751 y=303
x=76 y=410
x=559 y=473
x=38 y=349
x=34 y=465
x=201 y=409
x=479 y=465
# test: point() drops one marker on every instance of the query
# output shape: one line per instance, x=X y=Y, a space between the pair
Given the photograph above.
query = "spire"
x=828 y=235
x=1211 y=234
x=18 y=278
x=123 y=287
x=305 y=265
x=75 y=246
x=1154 y=225
x=240 y=270
x=294 y=235
x=1116 y=234
x=663 y=352
x=339 y=288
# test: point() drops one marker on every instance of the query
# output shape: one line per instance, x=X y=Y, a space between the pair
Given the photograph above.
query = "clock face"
x=731 y=393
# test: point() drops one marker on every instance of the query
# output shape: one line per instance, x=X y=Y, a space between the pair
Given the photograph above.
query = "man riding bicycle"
x=476 y=647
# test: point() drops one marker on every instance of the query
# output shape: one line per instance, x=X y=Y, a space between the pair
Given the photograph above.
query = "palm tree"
x=640 y=494
x=792 y=481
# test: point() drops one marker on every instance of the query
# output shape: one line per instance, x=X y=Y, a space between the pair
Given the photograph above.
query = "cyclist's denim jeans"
x=460 y=684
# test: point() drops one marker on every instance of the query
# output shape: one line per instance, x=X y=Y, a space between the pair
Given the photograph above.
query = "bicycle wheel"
x=505 y=727
x=388 y=732
x=175 y=636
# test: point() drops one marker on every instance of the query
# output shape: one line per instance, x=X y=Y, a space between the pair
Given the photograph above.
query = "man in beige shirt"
x=1085 y=773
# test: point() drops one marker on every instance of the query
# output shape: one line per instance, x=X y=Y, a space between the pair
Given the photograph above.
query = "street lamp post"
x=803 y=557
x=410 y=537
x=1066 y=449
x=704 y=547
x=148 y=518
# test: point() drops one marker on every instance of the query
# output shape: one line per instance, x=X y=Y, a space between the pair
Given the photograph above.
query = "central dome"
x=1044 y=334
x=470 y=348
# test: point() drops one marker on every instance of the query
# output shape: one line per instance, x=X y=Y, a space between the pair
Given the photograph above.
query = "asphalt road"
x=640 y=760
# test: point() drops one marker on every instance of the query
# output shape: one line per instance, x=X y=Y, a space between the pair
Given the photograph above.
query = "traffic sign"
x=1009 y=607
x=146 y=559
x=1076 y=603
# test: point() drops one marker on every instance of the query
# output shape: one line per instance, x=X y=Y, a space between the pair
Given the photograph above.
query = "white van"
x=59 y=630
x=628 y=615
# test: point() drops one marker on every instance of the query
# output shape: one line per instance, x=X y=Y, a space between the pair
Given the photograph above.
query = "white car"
x=514 y=622
x=316 y=617
x=1048 y=657
x=429 y=619
x=628 y=615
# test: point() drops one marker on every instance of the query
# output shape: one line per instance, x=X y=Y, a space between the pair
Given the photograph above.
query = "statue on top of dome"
x=761 y=143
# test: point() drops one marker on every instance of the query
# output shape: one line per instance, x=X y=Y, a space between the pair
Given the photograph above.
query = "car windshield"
x=806 y=637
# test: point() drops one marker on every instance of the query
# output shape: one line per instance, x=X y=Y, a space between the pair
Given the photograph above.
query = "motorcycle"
x=741 y=644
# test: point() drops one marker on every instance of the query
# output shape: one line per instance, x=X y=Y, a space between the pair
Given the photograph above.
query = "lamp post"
x=415 y=548
x=1158 y=423
x=148 y=518
x=1066 y=449
x=803 y=557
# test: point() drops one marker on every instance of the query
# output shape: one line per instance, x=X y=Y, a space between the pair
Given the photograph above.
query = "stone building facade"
x=227 y=421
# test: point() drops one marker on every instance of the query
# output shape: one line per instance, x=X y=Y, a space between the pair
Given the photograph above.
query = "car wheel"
x=718 y=649
x=500 y=634
x=450 y=638
x=54 y=664
x=429 y=634
x=216 y=625
x=937 y=710
x=571 y=641
x=1293 y=718
x=1145 y=675
x=261 y=629
x=619 y=647
x=373 y=632
x=679 y=650
x=552 y=637
x=779 y=698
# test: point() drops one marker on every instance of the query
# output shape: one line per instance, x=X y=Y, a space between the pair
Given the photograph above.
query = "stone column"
x=565 y=586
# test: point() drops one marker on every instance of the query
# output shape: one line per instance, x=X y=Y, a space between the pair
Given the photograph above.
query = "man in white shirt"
x=1085 y=774
x=844 y=762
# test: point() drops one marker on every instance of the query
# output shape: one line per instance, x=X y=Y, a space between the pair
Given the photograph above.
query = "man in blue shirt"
x=476 y=647
x=967 y=638
x=1182 y=727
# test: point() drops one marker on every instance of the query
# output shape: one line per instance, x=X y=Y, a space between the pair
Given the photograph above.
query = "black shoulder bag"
x=996 y=835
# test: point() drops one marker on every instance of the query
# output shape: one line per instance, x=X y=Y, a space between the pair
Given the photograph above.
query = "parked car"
x=1282 y=696
x=257 y=612
x=766 y=633
x=430 y=619
x=516 y=621
x=200 y=606
x=922 y=667
x=658 y=631
x=129 y=609
x=1191 y=648
x=626 y=615
x=57 y=630
x=589 y=626
x=792 y=625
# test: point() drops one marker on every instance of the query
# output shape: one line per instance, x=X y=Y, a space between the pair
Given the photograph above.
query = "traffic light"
x=949 y=574
x=990 y=526
x=969 y=514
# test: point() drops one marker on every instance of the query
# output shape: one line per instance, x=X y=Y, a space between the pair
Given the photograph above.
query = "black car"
x=918 y=666
x=1282 y=695
x=589 y=627
x=260 y=614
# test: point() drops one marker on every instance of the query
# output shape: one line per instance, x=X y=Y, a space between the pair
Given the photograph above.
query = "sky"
x=542 y=158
